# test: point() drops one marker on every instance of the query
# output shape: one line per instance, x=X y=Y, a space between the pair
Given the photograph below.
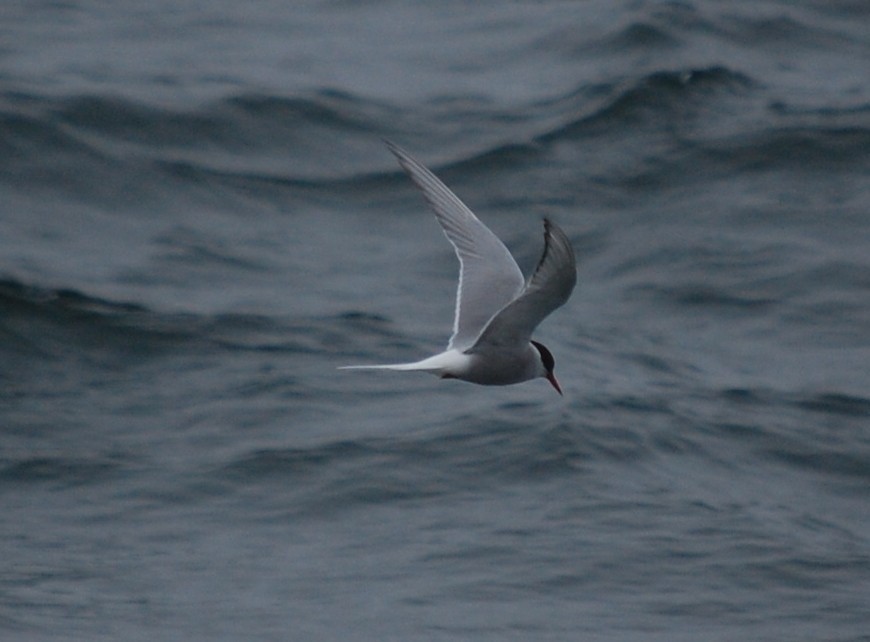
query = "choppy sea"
x=199 y=222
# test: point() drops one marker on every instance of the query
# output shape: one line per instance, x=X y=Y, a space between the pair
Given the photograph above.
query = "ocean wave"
x=474 y=453
x=657 y=97
x=349 y=473
x=59 y=322
x=787 y=147
x=836 y=462
x=62 y=143
x=62 y=471
x=817 y=431
x=238 y=121
x=835 y=403
x=643 y=35
x=143 y=155
x=788 y=31
x=248 y=124
x=323 y=140
x=617 y=107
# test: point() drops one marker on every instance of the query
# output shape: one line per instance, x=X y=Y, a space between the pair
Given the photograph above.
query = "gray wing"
x=548 y=288
x=489 y=278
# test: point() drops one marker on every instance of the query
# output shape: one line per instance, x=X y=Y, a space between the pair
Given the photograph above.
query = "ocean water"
x=199 y=223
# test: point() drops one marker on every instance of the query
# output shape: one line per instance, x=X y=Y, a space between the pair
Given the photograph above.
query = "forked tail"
x=387 y=366
x=445 y=363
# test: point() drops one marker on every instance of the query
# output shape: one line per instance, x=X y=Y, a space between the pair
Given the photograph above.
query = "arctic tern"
x=496 y=309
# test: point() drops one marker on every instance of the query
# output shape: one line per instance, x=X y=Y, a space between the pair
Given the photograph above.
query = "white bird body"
x=496 y=310
x=489 y=368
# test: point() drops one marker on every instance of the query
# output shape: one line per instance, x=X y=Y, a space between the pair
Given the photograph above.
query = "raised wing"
x=489 y=278
x=548 y=288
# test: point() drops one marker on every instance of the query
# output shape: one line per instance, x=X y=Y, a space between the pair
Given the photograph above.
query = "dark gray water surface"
x=199 y=223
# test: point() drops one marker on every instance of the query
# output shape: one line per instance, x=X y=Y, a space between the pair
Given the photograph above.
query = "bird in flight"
x=496 y=308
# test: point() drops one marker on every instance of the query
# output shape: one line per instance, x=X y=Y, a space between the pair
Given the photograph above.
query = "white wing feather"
x=489 y=278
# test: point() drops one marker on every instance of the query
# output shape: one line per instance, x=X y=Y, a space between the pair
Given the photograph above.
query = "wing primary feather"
x=489 y=278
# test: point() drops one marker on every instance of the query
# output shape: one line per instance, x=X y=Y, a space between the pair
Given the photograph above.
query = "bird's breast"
x=496 y=367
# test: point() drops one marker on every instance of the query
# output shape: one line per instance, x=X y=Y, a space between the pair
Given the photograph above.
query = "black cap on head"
x=546 y=356
x=549 y=363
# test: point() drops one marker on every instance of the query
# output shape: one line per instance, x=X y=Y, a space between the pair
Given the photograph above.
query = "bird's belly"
x=499 y=370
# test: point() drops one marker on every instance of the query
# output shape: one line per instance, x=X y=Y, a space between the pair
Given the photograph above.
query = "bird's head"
x=547 y=365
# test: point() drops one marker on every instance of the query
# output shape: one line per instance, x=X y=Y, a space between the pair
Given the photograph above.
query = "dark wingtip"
x=548 y=227
x=395 y=149
x=405 y=159
x=551 y=228
x=553 y=234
